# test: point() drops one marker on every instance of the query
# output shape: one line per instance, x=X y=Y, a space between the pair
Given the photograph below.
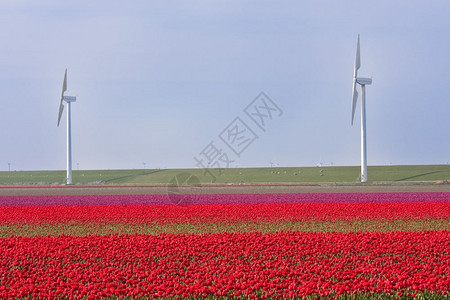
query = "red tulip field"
x=236 y=246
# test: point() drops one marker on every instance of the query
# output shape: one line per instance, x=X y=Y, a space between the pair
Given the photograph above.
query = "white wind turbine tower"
x=69 y=100
x=362 y=82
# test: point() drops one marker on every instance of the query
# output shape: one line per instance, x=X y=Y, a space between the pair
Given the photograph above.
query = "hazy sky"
x=158 y=81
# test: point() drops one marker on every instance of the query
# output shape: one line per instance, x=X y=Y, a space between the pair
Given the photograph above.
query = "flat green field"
x=292 y=175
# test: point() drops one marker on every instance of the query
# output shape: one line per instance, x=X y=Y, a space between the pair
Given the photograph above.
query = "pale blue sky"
x=157 y=81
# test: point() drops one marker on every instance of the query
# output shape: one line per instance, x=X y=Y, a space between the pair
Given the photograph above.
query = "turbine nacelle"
x=364 y=81
x=70 y=99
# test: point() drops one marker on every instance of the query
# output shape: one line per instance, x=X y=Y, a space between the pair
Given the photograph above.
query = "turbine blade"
x=355 y=75
x=357 y=60
x=355 y=99
x=64 y=87
x=61 y=104
x=61 y=109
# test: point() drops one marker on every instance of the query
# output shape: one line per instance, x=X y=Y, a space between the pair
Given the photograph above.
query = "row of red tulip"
x=228 y=213
x=279 y=265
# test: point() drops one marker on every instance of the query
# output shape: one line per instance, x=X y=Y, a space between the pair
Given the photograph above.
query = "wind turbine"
x=362 y=82
x=68 y=100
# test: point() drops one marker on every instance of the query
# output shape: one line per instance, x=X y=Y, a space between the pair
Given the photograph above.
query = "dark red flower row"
x=276 y=265
x=225 y=213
